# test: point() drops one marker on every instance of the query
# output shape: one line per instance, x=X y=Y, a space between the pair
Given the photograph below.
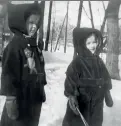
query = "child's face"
x=91 y=43
x=31 y=24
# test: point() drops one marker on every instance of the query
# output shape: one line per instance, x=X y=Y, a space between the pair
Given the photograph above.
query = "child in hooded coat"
x=23 y=74
x=87 y=81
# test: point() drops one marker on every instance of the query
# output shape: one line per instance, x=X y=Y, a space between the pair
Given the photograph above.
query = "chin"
x=31 y=34
x=92 y=52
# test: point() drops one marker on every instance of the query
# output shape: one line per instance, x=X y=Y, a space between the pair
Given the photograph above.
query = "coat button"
x=28 y=45
x=99 y=86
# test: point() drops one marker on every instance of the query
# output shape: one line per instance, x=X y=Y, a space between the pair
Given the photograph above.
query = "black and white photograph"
x=60 y=63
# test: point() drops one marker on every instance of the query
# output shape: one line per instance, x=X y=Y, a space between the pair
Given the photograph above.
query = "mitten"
x=108 y=99
x=73 y=103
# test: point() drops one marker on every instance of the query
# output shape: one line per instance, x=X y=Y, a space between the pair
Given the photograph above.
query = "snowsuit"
x=17 y=78
x=87 y=79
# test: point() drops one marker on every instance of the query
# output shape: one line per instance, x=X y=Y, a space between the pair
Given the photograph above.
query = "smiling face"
x=91 y=43
x=31 y=24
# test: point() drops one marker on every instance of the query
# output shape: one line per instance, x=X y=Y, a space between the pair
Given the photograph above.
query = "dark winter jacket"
x=87 y=70
x=17 y=79
x=87 y=75
x=87 y=79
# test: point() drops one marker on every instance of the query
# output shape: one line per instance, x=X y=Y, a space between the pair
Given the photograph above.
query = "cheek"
x=88 y=46
x=96 y=45
x=29 y=27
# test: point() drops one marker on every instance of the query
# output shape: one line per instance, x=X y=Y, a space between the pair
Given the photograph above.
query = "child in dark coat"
x=23 y=74
x=87 y=81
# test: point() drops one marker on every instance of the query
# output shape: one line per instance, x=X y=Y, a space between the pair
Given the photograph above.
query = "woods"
x=60 y=34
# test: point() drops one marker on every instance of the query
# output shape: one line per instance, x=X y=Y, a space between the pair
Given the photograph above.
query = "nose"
x=92 y=45
x=34 y=26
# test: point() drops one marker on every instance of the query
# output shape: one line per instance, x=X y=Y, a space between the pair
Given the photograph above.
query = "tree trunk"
x=53 y=29
x=3 y=12
x=48 y=29
x=66 y=27
x=79 y=13
x=41 y=32
x=1 y=35
x=78 y=22
x=92 y=21
x=113 y=39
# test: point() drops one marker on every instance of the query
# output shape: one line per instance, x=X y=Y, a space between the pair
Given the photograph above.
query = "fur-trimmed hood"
x=17 y=15
x=81 y=34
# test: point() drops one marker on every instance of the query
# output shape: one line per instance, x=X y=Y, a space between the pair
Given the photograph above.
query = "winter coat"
x=17 y=78
x=88 y=79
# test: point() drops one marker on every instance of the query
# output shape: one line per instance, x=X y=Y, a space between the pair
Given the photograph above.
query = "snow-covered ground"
x=53 y=109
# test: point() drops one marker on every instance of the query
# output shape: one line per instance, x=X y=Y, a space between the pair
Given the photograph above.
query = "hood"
x=79 y=38
x=17 y=15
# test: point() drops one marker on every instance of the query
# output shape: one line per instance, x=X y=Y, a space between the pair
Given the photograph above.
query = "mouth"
x=32 y=32
x=92 y=50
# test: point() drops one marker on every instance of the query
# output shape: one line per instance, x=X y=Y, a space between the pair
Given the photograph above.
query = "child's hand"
x=108 y=99
x=73 y=103
x=31 y=63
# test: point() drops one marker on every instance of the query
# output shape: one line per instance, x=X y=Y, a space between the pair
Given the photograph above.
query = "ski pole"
x=83 y=119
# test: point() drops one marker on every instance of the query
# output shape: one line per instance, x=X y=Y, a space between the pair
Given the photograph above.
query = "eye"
x=94 y=42
x=88 y=43
x=30 y=23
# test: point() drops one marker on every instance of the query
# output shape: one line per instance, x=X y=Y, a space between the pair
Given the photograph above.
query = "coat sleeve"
x=71 y=82
x=10 y=77
x=44 y=79
x=106 y=76
x=41 y=44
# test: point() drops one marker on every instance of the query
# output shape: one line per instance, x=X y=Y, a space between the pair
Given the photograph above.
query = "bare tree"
x=103 y=5
x=102 y=29
x=60 y=33
x=80 y=13
x=41 y=32
x=92 y=21
x=104 y=20
x=86 y=12
x=113 y=38
x=66 y=27
x=3 y=12
x=53 y=29
x=78 y=21
x=48 y=28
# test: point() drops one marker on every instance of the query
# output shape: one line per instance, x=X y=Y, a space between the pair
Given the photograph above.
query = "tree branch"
x=103 y=5
x=104 y=20
x=86 y=12
x=60 y=33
